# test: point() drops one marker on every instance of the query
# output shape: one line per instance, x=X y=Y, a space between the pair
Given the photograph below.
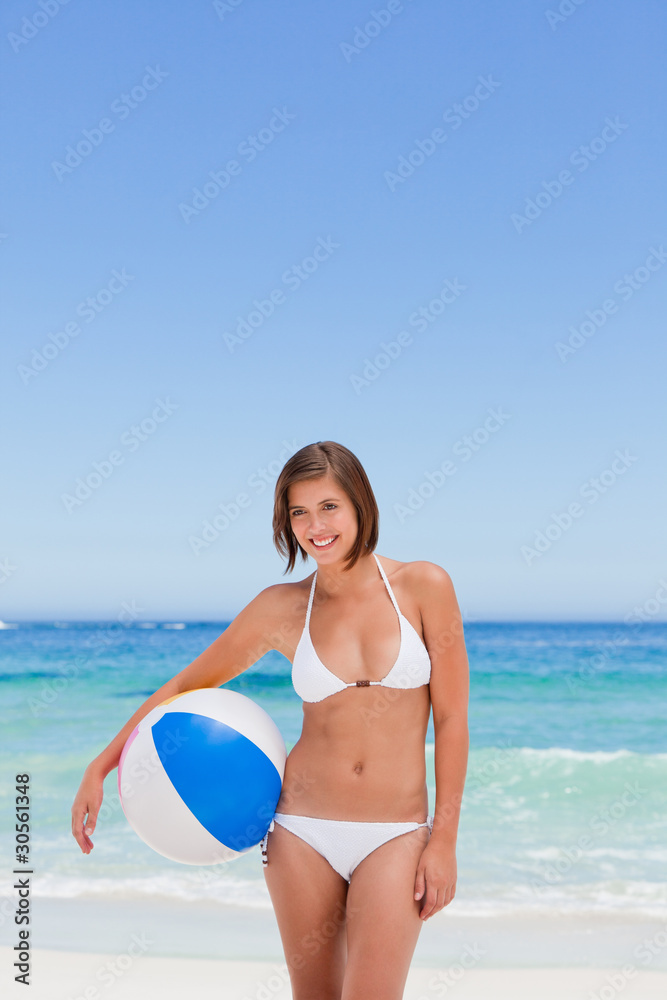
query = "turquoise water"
x=566 y=795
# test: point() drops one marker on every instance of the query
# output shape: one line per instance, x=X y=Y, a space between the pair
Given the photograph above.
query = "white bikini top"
x=313 y=681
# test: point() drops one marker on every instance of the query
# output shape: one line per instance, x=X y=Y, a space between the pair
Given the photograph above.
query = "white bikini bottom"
x=344 y=843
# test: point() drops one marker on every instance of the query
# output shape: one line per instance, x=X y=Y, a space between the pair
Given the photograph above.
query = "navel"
x=358 y=767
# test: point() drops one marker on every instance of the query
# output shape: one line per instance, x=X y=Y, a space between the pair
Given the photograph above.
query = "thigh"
x=383 y=919
x=309 y=899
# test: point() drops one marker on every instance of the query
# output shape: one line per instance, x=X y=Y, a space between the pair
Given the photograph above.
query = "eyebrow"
x=295 y=505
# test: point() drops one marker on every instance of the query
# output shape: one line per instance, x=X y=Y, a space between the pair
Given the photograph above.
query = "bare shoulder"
x=279 y=596
x=429 y=574
x=273 y=602
x=422 y=576
x=425 y=590
x=432 y=586
x=281 y=607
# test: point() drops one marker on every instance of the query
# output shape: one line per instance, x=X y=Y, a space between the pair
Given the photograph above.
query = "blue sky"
x=432 y=232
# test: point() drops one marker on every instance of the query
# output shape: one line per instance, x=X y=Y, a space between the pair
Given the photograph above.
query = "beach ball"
x=200 y=777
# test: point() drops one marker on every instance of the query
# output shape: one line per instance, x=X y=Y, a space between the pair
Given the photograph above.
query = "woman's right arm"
x=250 y=635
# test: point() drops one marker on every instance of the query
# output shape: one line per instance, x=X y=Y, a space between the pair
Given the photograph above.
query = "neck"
x=334 y=581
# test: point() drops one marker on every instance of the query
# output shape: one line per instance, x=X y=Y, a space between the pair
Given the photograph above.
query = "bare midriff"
x=361 y=757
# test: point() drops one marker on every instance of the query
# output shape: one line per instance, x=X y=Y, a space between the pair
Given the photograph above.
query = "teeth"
x=324 y=542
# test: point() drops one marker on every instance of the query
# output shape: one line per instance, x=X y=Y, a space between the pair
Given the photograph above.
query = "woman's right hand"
x=86 y=807
x=249 y=636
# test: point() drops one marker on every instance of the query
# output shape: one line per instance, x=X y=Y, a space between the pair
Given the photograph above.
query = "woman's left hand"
x=435 y=881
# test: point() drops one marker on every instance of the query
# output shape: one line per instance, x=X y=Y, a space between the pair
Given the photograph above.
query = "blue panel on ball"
x=226 y=781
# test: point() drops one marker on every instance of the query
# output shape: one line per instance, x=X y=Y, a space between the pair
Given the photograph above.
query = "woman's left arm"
x=435 y=881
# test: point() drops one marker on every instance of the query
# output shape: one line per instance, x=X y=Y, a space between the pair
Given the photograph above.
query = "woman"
x=352 y=861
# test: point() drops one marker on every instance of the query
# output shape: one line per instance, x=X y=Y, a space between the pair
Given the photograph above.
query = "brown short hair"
x=314 y=461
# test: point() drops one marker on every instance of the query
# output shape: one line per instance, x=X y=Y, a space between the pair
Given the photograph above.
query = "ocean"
x=564 y=809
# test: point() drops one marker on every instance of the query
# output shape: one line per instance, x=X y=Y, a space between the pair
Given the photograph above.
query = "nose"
x=316 y=526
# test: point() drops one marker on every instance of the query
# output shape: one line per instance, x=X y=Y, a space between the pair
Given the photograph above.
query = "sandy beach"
x=62 y=975
x=122 y=949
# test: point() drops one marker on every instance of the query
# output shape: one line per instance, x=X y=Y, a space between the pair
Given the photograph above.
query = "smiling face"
x=321 y=512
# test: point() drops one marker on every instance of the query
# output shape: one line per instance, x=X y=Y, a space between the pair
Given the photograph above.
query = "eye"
x=296 y=512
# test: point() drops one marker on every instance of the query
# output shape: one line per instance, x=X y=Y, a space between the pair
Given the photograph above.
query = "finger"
x=429 y=901
x=420 y=883
x=84 y=842
x=80 y=834
x=77 y=822
x=86 y=839
x=438 y=902
x=89 y=826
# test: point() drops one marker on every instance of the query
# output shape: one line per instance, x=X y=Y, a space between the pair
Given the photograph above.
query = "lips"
x=315 y=542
